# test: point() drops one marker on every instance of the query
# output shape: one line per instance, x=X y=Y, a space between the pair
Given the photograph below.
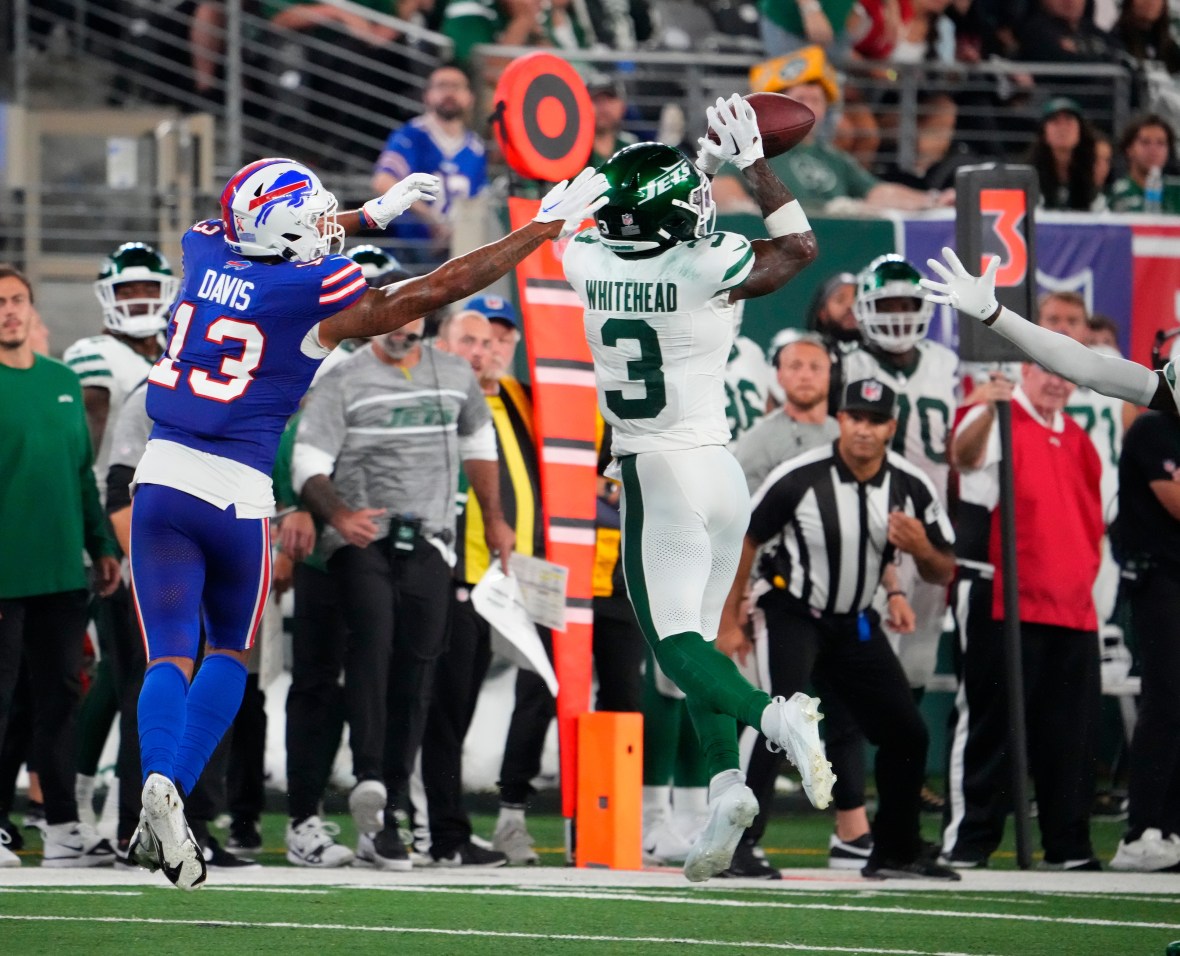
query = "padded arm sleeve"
x=1116 y=377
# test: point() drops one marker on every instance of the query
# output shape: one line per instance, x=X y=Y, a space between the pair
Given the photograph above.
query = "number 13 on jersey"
x=235 y=373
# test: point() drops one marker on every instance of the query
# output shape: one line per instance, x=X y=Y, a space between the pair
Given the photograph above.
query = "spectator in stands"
x=344 y=65
x=1063 y=156
x=815 y=172
x=46 y=456
x=937 y=154
x=610 y=107
x=1061 y=31
x=1143 y=30
x=561 y=24
x=1103 y=161
x=790 y=25
x=439 y=142
x=1147 y=143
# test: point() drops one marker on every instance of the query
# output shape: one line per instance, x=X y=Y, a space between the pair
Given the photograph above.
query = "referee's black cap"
x=869 y=395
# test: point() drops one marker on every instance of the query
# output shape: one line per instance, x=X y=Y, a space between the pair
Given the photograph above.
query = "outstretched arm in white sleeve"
x=975 y=296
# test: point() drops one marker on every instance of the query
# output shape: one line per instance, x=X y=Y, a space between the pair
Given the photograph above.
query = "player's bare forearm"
x=321 y=498
x=777 y=260
x=769 y=191
x=378 y=312
x=352 y=221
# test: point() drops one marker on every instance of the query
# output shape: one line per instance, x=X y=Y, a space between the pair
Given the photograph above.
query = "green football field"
x=561 y=910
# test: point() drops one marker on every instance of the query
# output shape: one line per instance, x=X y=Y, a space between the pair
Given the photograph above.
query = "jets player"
x=894 y=314
x=265 y=298
x=748 y=378
x=135 y=288
x=659 y=287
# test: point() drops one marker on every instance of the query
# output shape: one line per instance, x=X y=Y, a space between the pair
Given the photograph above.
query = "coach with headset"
x=377 y=458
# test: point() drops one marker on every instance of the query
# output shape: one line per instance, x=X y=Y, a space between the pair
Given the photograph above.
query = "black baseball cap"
x=869 y=395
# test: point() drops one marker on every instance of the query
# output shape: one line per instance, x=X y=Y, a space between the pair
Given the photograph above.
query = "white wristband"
x=787 y=220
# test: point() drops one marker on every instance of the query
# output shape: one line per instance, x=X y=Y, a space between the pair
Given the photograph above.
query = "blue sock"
x=161 y=717
x=213 y=702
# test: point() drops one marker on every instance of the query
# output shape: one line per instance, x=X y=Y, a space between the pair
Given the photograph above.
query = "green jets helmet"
x=373 y=260
x=891 y=307
x=657 y=198
x=129 y=305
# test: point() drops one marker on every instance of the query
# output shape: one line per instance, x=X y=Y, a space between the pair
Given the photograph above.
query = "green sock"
x=691 y=770
x=718 y=737
x=662 y=729
x=710 y=680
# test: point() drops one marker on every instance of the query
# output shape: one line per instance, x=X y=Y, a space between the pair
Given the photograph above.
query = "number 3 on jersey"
x=237 y=372
x=648 y=369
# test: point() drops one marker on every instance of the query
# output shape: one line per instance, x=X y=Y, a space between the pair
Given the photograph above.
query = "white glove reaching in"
x=710 y=156
x=972 y=295
x=571 y=201
x=401 y=196
x=736 y=125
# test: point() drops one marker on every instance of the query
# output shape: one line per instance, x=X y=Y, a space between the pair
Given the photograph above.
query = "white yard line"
x=801 y=881
x=484 y=934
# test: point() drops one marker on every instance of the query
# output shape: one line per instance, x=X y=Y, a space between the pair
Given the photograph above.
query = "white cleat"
x=792 y=726
x=730 y=812
x=177 y=851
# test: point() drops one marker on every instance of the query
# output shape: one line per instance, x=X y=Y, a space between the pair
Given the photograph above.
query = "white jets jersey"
x=1101 y=417
x=102 y=361
x=660 y=331
x=927 y=396
x=747 y=384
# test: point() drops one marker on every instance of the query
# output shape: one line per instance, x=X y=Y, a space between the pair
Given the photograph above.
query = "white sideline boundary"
x=801 y=880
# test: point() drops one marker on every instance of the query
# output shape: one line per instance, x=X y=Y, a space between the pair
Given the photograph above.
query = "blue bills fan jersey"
x=243 y=346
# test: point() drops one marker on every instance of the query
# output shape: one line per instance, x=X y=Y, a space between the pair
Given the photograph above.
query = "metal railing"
x=330 y=100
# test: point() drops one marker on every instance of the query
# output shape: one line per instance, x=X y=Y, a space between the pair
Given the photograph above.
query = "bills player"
x=894 y=314
x=265 y=298
x=975 y=296
x=135 y=288
x=659 y=287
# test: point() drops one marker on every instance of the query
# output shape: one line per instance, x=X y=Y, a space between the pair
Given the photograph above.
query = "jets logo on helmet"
x=657 y=198
x=278 y=207
x=891 y=307
x=135 y=288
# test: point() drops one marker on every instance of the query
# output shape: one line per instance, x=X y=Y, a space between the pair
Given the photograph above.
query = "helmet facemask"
x=277 y=207
x=891 y=307
x=142 y=316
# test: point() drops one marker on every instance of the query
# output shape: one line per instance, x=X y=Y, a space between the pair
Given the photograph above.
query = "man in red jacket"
x=1059 y=531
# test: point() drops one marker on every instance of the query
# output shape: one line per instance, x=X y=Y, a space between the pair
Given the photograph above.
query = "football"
x=782 y=121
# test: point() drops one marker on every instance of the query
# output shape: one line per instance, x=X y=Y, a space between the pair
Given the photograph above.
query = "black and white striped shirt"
x=825 y=533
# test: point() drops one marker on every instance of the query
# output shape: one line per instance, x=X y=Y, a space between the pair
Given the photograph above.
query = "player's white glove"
x=571 y=201
x=736 y=125
x=710 y=156
x=972 y=295
x=401 y=196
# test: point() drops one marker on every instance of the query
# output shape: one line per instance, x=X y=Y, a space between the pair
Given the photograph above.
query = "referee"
x=826 y=524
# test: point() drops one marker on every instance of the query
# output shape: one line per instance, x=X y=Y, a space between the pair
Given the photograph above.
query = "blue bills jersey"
x=417 y=147
x=242 y=349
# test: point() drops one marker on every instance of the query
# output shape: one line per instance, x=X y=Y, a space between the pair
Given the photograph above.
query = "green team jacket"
x=49 y=505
